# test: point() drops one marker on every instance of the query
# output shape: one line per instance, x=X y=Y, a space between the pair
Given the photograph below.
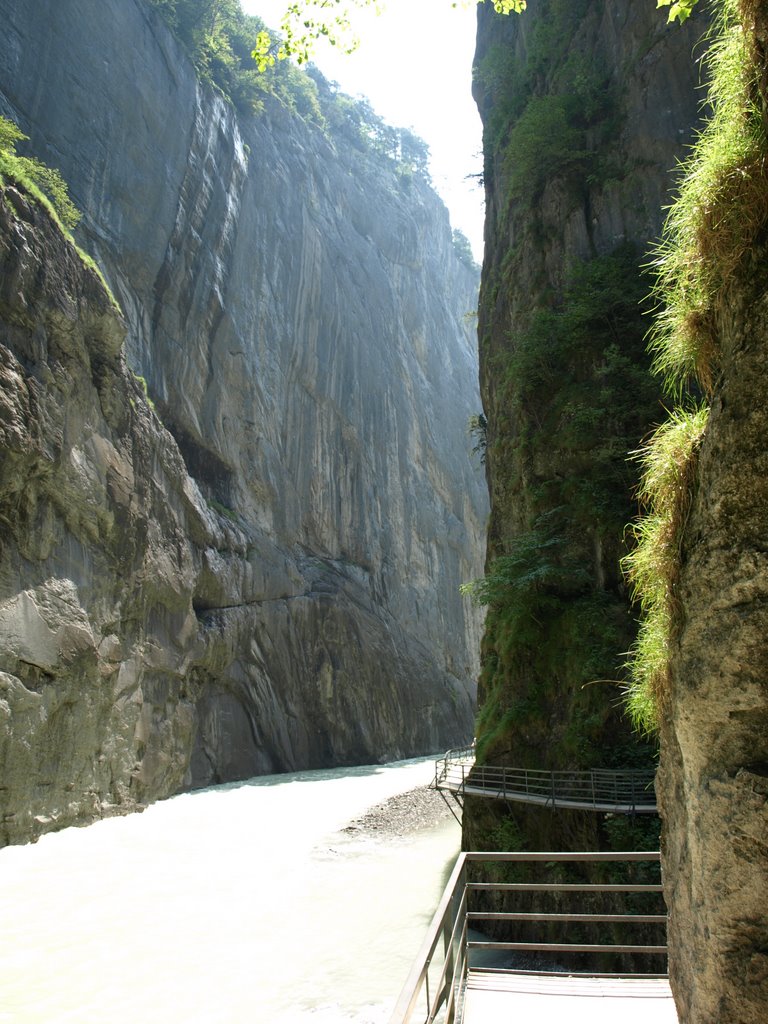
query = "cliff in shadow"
x=586 y=106
x=258 y=569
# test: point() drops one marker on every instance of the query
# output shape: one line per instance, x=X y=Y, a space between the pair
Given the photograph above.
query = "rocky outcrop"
x=98 y=515
x=262 y=573
x=587 y=106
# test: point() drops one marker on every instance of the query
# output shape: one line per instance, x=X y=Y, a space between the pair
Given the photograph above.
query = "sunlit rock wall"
x=300 y=318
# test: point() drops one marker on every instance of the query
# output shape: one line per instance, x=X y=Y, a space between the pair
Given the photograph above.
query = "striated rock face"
x=98 y=515
x=263 y=574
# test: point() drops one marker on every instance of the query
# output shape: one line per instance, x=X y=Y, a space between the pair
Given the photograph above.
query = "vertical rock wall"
x=587 y=106
x=713 y=774
x=300 y=319
x=713 y=777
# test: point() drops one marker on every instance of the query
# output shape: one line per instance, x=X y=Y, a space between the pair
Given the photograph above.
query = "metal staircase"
x=451 y=981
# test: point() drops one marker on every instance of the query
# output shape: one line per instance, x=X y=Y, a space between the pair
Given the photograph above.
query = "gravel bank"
x=402 y=814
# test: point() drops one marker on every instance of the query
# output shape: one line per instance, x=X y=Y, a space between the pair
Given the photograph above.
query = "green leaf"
x=10 y=134
x=680 y=10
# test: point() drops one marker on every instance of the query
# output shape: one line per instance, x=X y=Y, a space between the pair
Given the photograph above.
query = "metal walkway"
x=455 y=980
x=613 y=792
x=493 y=998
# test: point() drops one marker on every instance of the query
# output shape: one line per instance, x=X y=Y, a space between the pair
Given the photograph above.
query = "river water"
x=241 y=903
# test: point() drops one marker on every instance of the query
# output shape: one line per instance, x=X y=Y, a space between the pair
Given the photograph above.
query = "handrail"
x=458 y=755
x=446 y=945
x=446 y=917
x=599 y=789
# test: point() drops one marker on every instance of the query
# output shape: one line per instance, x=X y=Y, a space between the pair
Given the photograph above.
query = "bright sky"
x=415 y=66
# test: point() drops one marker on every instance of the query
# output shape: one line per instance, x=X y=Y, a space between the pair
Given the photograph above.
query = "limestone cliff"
x=586 y=106
x=261 y=574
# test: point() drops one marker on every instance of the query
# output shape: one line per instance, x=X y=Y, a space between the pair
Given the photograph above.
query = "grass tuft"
x=720 y=213
x=46 y=187
x=653 y=566
x=721 y=208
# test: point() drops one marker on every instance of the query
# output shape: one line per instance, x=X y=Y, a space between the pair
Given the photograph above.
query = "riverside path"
x=605 y=790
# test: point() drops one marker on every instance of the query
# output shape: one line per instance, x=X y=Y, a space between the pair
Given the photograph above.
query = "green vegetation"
x=555 y=131
x=653 y=565
x=142 y=382
x=356 y=123
x=42 y=182
x=463 y=249
x=722 y=204
x=574 y=391
x=578 y=380
x=220 y=39
x=720 y=213
x=47 y=187
x=477 y=428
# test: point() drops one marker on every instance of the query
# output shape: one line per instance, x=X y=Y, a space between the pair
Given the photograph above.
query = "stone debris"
x=403 y=814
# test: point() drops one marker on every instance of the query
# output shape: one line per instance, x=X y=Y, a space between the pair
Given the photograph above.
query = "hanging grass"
x=653 y=566
x=720 y=213
x=721 y=208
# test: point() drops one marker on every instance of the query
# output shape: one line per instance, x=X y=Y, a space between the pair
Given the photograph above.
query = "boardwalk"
x=535 y=999
x=603 y=790
x=454 y=981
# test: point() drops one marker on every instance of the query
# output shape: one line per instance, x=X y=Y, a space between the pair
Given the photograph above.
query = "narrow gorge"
x=285 y=483
x=237 y=505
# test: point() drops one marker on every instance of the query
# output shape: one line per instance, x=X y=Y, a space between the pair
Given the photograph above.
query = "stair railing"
x=435 y=986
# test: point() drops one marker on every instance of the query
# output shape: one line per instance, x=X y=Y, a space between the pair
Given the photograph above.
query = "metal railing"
x=600 y=789
x=435 y=987
x=462 y=756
